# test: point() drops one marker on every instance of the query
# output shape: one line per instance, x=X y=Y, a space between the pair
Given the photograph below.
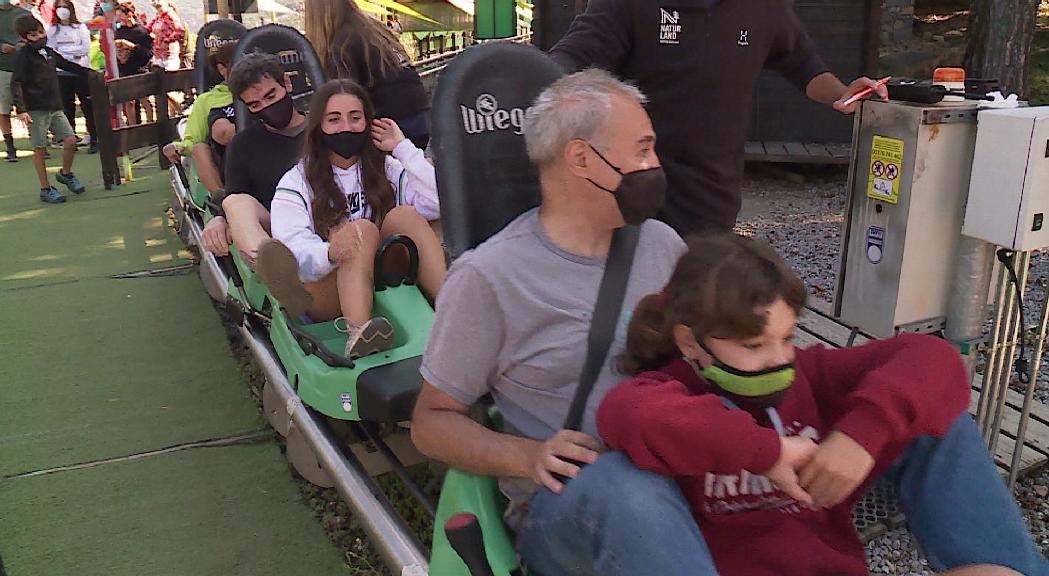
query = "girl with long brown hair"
x=333 y=208
x=353 y=45
x=772 y=445
x=70 y=38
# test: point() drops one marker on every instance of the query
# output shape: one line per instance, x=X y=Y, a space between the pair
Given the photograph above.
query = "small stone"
x=1042 y=491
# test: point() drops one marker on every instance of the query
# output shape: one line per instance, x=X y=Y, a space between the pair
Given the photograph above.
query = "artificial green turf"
x=105 y=367
x=204 y=512
x=96 y=234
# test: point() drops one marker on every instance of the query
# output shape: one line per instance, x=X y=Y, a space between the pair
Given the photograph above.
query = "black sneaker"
x=92 y=148
x=12 y=156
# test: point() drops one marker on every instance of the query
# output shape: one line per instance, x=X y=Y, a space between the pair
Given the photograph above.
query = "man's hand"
x=553 y=457
x=386 y=134
x=24 y=118
x=172 y=153
x=7 y=48
x=217 y=237
x=857 y=86
x=794 y=453
x=836 y=470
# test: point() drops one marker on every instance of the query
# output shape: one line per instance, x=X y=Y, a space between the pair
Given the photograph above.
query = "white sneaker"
x=374 y=336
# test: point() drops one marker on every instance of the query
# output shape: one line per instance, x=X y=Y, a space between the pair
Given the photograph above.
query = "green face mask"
x=749 y=384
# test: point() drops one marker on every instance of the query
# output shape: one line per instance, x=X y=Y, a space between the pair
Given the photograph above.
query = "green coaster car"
x=370 y=395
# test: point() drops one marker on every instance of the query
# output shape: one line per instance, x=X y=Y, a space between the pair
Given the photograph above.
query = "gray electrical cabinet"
x=908 y=185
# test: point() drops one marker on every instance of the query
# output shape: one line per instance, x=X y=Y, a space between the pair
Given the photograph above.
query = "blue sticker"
x=875 y=243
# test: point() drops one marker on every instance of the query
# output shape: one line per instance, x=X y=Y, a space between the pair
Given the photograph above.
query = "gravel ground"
x=800 y=214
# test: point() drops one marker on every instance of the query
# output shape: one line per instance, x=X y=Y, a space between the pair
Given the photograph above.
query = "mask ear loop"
x=777 y=422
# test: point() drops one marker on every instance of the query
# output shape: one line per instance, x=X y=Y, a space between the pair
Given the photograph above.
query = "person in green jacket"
x=210 y=125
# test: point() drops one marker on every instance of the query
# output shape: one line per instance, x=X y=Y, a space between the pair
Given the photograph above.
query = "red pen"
x=866 y=91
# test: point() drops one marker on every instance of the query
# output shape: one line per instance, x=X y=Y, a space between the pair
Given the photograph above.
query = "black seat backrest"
x=210 y=37
x=484 y=177
x=296 y=55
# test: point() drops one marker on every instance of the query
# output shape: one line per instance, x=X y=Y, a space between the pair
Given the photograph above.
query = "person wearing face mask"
x=514 y=313
x=9 y=42
x=360 y=181
x=256 y=158
x=72 y=40
x=772 y=445
x=37 y=98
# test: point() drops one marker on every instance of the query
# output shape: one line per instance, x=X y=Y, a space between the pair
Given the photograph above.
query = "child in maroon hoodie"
x=771 y=445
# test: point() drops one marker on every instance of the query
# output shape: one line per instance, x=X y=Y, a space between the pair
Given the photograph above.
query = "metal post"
x=1000 y=335
x=967 y=305
x=1022 y=264
x=1025 y=412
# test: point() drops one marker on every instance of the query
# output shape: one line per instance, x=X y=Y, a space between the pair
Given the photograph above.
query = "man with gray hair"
x=512 y=321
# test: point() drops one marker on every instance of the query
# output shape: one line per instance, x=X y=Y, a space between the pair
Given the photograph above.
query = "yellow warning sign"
x=886 y=165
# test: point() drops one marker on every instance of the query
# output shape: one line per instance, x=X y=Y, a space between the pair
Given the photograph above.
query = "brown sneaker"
x=374 y=336
x=279 y=271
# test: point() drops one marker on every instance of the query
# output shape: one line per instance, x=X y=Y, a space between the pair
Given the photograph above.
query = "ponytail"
x=650 y=337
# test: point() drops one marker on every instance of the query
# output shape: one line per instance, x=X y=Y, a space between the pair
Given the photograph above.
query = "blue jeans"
x=614 y=519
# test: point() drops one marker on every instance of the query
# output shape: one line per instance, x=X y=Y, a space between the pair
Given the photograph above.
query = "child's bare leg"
x=68 y=151
x=348 y=291
x=41 y=167
x=405 y=220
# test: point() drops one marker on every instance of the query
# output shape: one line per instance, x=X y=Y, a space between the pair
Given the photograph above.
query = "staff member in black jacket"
x=698 y=61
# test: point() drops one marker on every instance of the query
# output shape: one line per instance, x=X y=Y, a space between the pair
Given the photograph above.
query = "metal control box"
x=1009 y=191
x=908 y=183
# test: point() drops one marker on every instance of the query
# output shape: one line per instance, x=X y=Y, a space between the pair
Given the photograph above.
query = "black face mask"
x=278 y=114
x=37 y=44
x=346 y=144
x=640 y=194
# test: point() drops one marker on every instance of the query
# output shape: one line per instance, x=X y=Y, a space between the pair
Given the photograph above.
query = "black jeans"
x=72 y=88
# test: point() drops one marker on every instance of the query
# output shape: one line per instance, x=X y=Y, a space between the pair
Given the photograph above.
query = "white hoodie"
x=291 y=214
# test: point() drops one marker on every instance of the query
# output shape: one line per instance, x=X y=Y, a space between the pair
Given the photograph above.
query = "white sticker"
x=875 y=243
x=347 y=402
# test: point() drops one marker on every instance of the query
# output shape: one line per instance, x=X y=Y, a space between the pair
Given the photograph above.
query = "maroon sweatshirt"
x=883 y=395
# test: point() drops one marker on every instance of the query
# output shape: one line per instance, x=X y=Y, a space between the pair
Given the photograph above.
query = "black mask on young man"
x=346 y=144
x=278 y=115
x=37 y=44
x=640 y=193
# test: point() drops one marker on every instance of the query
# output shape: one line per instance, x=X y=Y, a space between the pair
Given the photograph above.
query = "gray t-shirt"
x=513 y=318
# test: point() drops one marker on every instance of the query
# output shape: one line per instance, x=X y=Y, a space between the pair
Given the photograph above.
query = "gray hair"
x=575 y=106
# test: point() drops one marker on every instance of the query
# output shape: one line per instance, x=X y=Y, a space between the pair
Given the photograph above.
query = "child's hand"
x=837 y=468
x=25 y=119
x=7 y=48
x=794 y=454
x=386 y=134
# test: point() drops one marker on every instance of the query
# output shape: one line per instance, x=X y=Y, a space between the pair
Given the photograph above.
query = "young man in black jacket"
x=34 y=85
x=698 y=62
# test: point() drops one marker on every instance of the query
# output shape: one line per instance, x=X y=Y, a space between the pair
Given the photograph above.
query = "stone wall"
x=897 y=21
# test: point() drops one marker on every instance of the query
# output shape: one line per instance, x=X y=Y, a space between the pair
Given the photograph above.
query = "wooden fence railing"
x=113 y=142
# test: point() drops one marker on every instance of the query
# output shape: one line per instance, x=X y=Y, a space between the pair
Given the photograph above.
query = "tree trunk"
x=1000 y=36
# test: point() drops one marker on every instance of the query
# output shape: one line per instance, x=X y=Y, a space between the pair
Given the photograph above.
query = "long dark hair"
x=73 y=21
x=329 y=201
x=714 y=290
x=332 y=25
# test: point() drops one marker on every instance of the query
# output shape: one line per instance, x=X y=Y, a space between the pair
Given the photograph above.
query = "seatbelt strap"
x=605 y=317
